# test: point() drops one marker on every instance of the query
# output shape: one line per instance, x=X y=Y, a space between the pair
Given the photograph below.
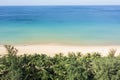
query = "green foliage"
x=112 y=52
x=72 y=67
x=107 y=69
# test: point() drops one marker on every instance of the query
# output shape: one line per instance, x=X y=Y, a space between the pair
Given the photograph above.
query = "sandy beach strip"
x=51 y=50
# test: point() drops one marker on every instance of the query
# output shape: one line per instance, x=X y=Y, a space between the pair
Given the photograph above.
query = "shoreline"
x=52 y=49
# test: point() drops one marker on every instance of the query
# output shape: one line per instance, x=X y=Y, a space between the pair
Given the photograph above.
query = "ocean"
x=70 y=25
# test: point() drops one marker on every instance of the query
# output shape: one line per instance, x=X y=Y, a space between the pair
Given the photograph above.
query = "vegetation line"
x=75 y=66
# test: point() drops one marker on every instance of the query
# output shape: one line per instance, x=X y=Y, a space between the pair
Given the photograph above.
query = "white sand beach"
x=51 y=50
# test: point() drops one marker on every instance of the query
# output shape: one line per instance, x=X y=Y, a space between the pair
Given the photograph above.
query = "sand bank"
x=54 y=49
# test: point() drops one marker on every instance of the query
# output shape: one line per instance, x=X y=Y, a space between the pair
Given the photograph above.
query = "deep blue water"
x=79 y=25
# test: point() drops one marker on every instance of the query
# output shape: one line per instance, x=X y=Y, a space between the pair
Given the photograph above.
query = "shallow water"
x=77 y=25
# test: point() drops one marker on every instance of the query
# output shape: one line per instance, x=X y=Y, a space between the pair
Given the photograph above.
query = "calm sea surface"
x=78 y=25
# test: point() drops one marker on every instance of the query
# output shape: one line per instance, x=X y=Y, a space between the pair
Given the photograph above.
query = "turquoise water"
x=76 y=25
